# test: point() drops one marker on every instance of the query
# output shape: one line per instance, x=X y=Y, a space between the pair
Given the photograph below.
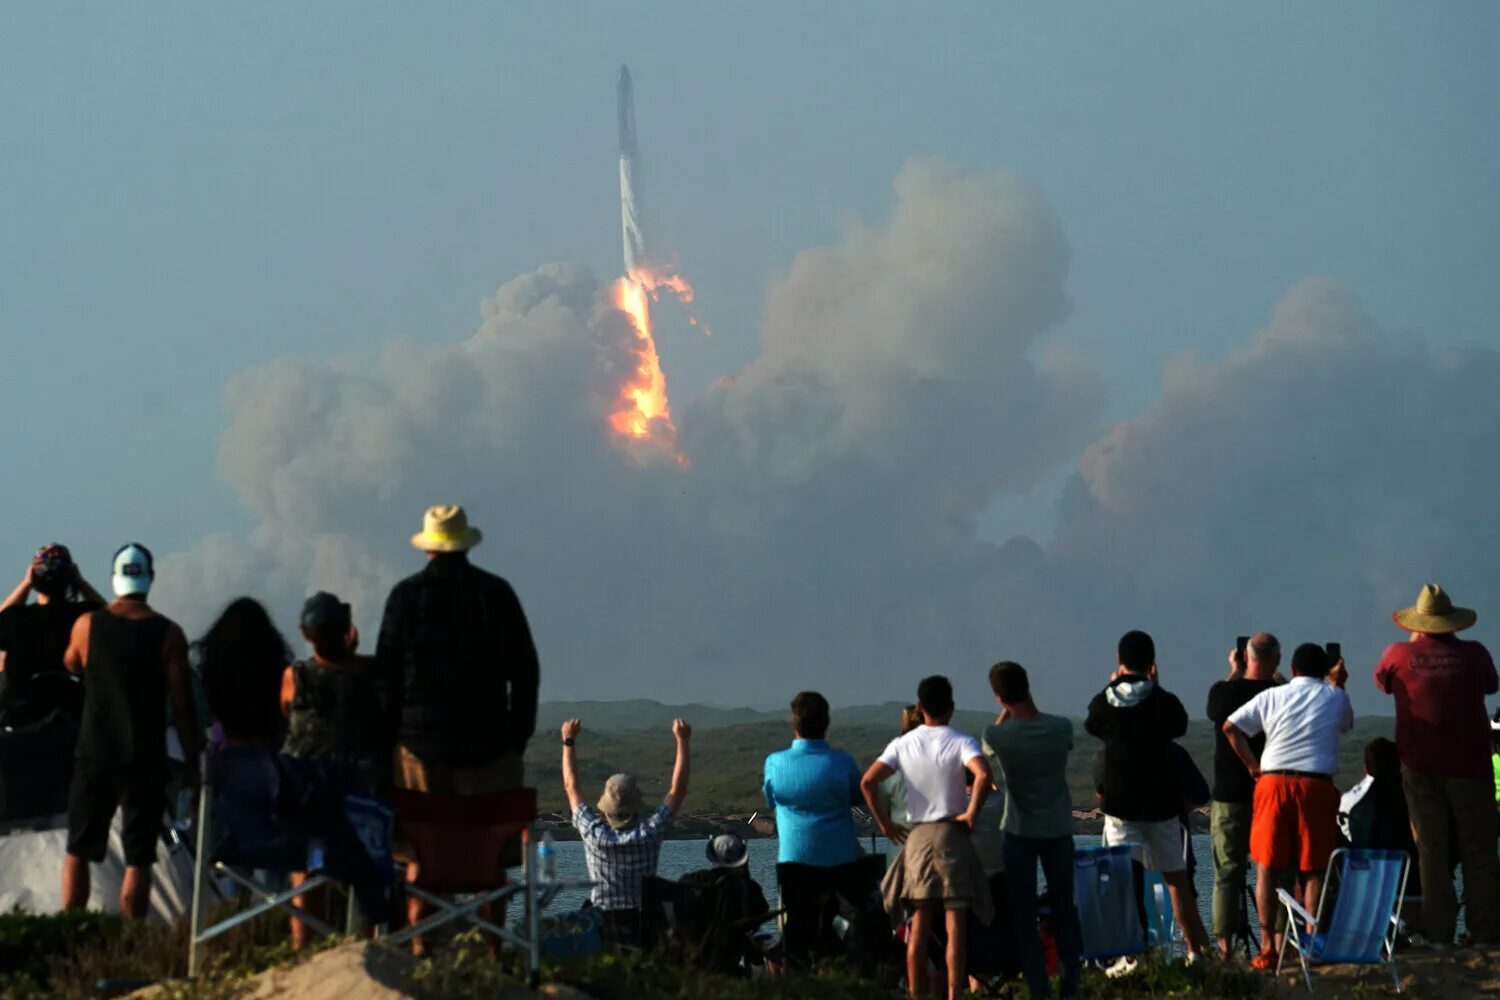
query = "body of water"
x=678 y=857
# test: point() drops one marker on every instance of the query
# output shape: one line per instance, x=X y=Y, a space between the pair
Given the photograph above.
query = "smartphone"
x=1335 y=652
x=1240 y=644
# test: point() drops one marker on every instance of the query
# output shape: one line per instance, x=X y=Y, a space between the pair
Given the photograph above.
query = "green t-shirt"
x=1030 y=759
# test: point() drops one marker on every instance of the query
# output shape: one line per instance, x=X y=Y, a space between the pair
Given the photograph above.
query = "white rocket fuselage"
x=630 y=221
x=630 y=207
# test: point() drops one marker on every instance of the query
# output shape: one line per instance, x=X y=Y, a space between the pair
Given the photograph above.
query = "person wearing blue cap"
x=135 y=661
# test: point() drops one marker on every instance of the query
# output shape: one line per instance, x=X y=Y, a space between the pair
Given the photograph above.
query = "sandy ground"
x=358 y=972
x=1456 y=975
x=363 y=972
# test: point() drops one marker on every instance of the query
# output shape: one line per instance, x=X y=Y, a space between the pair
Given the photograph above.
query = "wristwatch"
x=568 y=742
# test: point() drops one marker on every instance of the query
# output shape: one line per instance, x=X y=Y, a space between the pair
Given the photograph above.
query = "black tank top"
x=335 y=712
x=125 y=692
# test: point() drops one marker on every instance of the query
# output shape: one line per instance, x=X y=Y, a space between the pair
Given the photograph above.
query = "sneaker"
x=1265 y=961
x=1123 y=967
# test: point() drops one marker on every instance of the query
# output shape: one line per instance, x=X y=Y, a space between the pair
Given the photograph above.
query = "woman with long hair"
x=240 y=660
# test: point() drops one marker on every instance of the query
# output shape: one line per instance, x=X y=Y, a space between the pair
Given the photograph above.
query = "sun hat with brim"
x=621 y=802
x=445 y=528
x=727 y=850
x=1434 y=614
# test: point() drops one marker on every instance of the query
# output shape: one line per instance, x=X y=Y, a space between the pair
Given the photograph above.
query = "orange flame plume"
x=644 y=412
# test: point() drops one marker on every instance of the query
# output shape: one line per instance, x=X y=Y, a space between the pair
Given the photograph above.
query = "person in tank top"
x=134 y=661
x=331 y=703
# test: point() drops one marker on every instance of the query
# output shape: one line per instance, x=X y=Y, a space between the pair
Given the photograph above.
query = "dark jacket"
x=457 y=665
x=1138 y=721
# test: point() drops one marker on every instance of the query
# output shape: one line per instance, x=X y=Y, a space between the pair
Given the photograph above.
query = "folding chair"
x=1364 y=888
x=241 y=835
x=1104 y=892
x=1163 y=931
x=462 y=845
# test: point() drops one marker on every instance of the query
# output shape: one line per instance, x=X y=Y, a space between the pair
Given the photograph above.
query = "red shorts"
x=1295 y=822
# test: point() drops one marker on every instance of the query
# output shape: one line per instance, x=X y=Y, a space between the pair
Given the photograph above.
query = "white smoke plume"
x=824 y=532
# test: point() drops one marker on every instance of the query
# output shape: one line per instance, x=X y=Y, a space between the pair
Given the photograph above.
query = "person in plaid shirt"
x=621 y=846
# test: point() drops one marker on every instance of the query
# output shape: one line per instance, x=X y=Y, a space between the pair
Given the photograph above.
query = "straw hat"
x=621 y=801
x=445 y=528
x=1434 y=614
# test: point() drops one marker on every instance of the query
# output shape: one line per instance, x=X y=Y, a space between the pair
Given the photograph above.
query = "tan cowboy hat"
x=621 y=802
x=1434 y=614
x=445 y=528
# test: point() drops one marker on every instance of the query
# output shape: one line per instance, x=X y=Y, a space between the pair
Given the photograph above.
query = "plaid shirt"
x=457 y=665
x=618 y=859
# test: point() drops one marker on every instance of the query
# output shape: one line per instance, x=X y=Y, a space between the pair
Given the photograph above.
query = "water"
x=678 y=857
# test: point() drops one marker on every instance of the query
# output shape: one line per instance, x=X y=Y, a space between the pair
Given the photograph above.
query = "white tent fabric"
x=31 y=863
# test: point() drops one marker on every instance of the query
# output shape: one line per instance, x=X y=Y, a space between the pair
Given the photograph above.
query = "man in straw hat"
x=1440 y=682
x=459 y=671
x=620 y=845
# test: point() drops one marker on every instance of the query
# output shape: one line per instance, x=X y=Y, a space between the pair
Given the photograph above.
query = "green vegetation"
x=65 y=955
x=727 y=759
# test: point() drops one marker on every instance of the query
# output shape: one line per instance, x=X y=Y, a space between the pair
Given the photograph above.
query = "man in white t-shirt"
x=943 y=871
x=1294 y=825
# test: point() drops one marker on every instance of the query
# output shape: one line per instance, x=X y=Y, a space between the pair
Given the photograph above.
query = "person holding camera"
x=33 y=636
x=1252 y=669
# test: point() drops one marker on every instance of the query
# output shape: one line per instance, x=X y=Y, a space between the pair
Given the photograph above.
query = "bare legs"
x=1185 y=910
x=958 y=951
x=135 y=888
x=916 y=950
x=957 y=956
x=75 y=883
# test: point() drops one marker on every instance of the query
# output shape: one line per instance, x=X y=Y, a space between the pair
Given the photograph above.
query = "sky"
x=1030 y=323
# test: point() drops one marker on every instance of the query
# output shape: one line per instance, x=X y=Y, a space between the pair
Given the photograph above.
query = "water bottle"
x=546 y=856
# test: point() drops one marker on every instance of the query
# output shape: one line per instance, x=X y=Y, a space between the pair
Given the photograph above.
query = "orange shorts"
x=1294 y=823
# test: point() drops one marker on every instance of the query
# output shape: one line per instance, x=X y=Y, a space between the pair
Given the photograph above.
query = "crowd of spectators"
x=448 y=703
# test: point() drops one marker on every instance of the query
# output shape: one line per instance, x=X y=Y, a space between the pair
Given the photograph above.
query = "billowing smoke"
x=824 y=528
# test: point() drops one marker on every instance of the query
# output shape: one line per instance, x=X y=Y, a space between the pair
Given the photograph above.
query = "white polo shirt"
x=1302 y=720
x=932 y=760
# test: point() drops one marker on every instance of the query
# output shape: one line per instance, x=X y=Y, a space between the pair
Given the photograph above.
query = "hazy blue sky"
x=190 y=190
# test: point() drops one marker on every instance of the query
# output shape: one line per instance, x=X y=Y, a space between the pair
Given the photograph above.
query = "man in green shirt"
x=1029 y=754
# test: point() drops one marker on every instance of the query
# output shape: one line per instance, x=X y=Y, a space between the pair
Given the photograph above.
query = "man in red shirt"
x=1442 y=731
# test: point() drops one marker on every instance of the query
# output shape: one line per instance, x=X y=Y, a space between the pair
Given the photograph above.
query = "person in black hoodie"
x=1137 y=721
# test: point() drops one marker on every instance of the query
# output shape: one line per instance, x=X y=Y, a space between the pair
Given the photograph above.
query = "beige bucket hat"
x=621 y=802
x=445 y=528
x=1434 y=614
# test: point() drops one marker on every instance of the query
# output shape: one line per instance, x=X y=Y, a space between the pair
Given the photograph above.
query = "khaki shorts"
x=1157 y=844
x=942 y=865
x=504 y=774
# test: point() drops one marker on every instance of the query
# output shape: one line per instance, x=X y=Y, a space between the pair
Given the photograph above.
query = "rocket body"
x=633 y=240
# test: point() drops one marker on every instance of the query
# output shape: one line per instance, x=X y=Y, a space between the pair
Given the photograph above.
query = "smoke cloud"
x=825 y=531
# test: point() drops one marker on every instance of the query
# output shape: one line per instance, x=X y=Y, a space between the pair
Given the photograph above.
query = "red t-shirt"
x=1440 y=683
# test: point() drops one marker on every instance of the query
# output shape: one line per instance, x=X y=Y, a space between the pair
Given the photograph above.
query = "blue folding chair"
x=1162 y=929
x=1364 y=888
x=1104 y=891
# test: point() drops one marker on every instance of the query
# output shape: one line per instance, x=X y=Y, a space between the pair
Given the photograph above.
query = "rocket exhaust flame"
x=643 y=412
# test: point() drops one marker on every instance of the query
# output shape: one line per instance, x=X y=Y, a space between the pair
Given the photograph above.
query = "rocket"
x=630 y=207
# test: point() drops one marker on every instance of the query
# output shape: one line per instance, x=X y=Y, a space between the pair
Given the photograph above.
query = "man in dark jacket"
x=458 y=669
x=1138 y=720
